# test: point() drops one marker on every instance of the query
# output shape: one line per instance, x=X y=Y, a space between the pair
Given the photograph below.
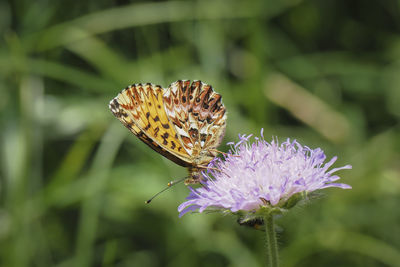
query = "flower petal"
x=252 y=171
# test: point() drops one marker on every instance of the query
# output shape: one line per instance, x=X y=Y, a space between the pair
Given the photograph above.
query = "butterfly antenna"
x=169 y=185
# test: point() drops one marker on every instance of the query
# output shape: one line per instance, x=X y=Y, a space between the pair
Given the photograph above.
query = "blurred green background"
x=74 y=180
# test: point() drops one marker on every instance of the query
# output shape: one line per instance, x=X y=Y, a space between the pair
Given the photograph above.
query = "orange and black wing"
x=198 y=116
x=141 y=109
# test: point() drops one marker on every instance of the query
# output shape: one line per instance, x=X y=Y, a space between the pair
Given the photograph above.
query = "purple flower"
x=261 y=174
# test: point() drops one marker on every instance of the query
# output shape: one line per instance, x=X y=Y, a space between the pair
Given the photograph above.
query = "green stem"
x=272 y=246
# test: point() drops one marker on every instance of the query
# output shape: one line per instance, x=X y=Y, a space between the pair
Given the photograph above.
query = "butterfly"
x=184 y=122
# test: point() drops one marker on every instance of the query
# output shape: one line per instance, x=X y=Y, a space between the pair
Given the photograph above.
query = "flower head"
x=258 y=174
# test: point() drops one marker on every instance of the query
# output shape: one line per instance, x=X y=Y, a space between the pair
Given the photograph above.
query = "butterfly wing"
x=198 y=116
x=141 y=109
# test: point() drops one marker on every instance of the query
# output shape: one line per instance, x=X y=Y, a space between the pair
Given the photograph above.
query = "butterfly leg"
x=196 y=175
x=223 y=153
x=208 y=168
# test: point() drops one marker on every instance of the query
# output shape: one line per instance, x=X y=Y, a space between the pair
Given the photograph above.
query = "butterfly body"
x=183 y=122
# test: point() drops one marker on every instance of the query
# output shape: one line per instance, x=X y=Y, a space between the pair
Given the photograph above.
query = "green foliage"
x=74 y=181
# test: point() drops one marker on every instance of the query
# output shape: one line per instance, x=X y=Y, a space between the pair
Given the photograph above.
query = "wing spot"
x=156 y=119
x=158 y=106
x=165 y=136
x=194 y=133
x=184 y=88
x=165 y=126
x=115 y=102
x=147 y=115
x=185 y=139
x=184 y=99
x=156 y=130
x=173 y=145
x=149 y=103
x=193 y=87
x=147 y=127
